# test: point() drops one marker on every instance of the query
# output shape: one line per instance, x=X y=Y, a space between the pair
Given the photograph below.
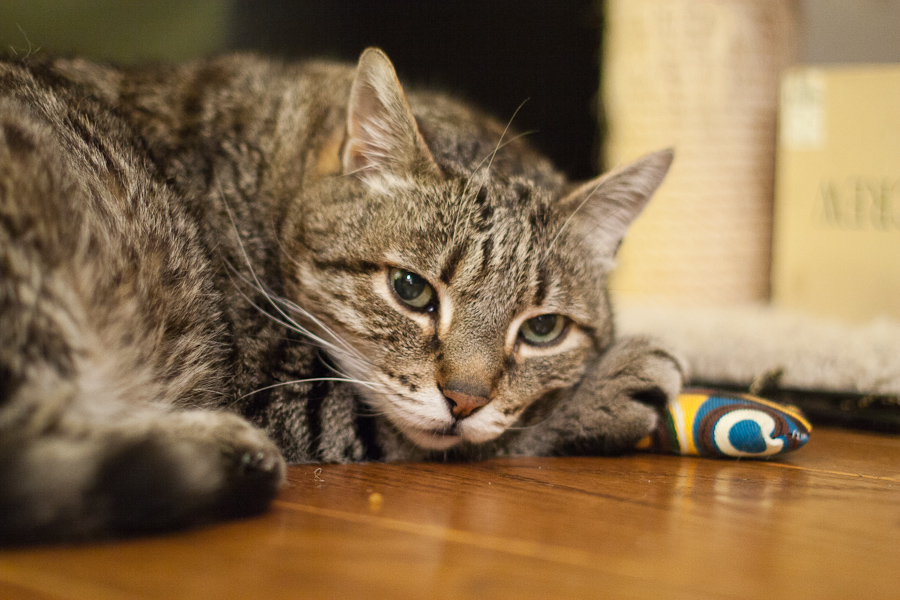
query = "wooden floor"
x=823 y=524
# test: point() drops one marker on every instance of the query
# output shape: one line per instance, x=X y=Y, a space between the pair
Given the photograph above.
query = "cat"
x=209 y=269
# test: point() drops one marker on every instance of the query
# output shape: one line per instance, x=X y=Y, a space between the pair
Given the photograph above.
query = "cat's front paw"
x=642 y=369
x=246 y=467
x=616 y=404
x=620 y=400
x=182 y=469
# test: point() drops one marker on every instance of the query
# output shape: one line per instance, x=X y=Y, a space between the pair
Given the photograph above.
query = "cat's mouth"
x=425 y=422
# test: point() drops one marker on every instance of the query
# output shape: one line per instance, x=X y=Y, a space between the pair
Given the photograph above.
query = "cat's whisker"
x=571 y=216
x=518 y=136
x=274 y=300
x=487 y=156
x=334 y=369
x=502 y=135
x=290 y=305
x=525 y=427
x=532 y=425
x=497 y=148
x=293 y=306
x=369 y=167
x=259 y=287
x=308 y=380
x=291 y=324
x=367 y=410
x=569 y=219
x=213 y=392
x=499 y=145
x=312 y=339
x=371 y=385
x=346 y=346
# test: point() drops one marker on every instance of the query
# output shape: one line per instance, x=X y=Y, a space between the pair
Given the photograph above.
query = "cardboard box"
x=836 y=247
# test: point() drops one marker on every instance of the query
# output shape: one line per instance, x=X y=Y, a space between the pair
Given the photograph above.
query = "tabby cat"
x=209 y=269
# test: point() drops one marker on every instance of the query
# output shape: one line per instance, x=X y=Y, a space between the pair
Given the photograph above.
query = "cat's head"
x=459 y=286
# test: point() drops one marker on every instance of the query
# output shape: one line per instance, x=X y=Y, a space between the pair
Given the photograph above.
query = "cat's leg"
x=617 y=403
x=92 y=442
x=72 y=470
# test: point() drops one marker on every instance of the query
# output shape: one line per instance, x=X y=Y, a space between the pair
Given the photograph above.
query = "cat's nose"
x=465 y=398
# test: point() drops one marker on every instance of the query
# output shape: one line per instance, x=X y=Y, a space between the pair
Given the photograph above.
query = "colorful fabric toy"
x=727 y=425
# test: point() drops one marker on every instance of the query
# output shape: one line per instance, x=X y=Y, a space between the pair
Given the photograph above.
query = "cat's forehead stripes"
x=452 y=263
x=496 y=265
x=487 y=250
x=540 y=293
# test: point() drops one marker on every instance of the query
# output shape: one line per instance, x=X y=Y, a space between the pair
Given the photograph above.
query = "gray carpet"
x=839 y=373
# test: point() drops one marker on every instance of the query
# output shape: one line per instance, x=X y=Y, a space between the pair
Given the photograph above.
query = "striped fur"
x=188 y=250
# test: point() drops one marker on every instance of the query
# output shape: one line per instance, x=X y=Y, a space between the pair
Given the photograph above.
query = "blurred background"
x=497 y=53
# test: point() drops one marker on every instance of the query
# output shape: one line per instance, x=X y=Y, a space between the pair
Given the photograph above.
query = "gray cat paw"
x=240 y=452
x=623 y=395
x=616 y=404
x=190 y=468
x=643 y=369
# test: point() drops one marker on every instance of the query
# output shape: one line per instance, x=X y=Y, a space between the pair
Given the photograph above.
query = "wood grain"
x=825 y=523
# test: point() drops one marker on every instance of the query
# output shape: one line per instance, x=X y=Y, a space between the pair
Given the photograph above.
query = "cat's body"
x=166 y=233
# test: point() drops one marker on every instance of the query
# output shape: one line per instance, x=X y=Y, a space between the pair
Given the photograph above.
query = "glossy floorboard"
x=825 y=523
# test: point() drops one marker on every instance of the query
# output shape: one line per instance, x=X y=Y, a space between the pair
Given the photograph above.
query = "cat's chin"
x=431 y=439
x=438 y=439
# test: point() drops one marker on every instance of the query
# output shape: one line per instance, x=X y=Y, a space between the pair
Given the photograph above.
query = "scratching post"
x=701 y=76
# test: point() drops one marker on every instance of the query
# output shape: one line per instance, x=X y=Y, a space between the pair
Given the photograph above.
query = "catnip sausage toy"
x=720 y=424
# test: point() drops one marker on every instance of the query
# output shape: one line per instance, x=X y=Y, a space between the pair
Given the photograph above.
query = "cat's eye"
x=412 y=289
x=544 y=330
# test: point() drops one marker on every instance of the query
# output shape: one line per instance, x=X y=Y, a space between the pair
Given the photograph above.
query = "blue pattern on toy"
x=747 y=436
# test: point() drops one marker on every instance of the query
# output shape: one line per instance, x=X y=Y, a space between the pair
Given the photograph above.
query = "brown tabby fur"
x=188 y=250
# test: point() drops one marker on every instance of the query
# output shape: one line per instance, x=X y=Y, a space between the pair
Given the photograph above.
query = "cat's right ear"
x=604 y=208
x=382 y=135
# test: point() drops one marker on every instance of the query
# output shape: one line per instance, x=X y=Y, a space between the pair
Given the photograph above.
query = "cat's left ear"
x=603 y=208
x=382 y=135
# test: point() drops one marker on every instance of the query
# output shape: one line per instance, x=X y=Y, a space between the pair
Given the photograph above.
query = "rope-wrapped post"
x=701 y=76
